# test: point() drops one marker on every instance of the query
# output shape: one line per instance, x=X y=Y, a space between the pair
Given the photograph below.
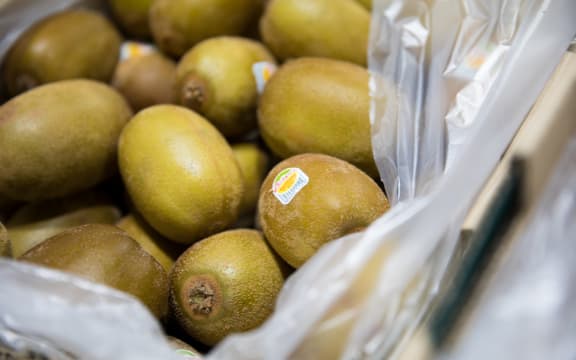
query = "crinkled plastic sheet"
x=362 y=294
x=65 y=317
x=451 y=83
x=535 y=287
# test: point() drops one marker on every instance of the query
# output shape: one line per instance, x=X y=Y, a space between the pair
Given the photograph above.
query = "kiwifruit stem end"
x=201 y=296
x=193 y=92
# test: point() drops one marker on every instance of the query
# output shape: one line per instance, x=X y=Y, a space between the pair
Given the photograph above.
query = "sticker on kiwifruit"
x=131 y=49
x=288 y=184
x=263 y=71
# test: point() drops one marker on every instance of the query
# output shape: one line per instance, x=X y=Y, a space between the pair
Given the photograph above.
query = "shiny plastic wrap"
x=46 y=314
x=534 y=289
x=451 y=82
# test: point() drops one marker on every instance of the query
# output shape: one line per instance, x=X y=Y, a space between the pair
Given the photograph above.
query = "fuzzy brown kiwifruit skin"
x=180 y=172
x=4 y=242
x=146 y=80
x=337 y=200
x=163 y=250
x=67 y=45
x=253 y=163
x=336 y=29
x=215 y=78
x=35 y=222
x=178 y=25
x=24 y=237
x=224 y=284
x=59 y=139
x=318 y=105
x=132 y=16
x=106 y=254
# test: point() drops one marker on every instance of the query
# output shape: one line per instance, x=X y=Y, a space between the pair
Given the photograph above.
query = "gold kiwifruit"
x=310 y=199
x=106 y=254
x=216 y=79
x=178 y=25
x=253 y=163
x=224 y=284
x=336 y=29
x=318 y=105
x=59 y=139
x=132 y=16
x=35 y=222
x=180 y=172
x=164 y=251
x=70 y=44
x=146 y=80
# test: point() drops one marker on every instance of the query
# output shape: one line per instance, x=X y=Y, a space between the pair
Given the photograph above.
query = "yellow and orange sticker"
x=131 y=49
x=288 y=183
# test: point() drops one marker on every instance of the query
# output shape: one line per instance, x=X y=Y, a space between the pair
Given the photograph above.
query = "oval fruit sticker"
x=288 y=183
x=132 y=49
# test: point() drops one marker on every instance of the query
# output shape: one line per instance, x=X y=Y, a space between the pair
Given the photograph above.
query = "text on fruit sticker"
x=288 y=183
x=262 y=71
x=132 y=49
x=187 y=354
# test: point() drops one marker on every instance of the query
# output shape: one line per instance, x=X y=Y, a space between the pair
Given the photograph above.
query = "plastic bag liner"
x=451 y=83
x=47 y=312
x=535 y=287
x=442 y=115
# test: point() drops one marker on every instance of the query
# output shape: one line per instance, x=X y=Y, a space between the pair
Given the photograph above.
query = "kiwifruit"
x=59 y=139
x=35 y=222
x=215 y=78
x=183 y=349
x=48 y=209
x=107 y=255
x=132 y=16
x=253 y=163
x=178 y=25
x=311 y=199
x=180 y=172
x=164 y=251
x=336 y=29
x=224 y=284
x=5 y=248
x=146 y=80
x=67 y=45
x=316 y=105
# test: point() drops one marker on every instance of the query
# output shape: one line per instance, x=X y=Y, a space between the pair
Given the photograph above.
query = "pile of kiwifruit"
x=192 y=153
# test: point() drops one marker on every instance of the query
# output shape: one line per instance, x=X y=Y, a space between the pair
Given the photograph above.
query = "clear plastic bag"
x=64 y=317
x=438 y=131
x=534 y=288
x=360 y=296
